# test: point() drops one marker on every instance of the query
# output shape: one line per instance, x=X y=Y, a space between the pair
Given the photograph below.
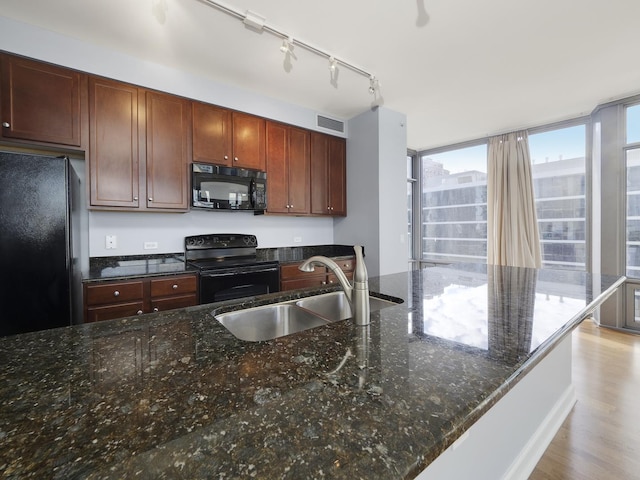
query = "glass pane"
x=410 y=218
x=633 y=213
x=454 y=205
x=559 y=183
x=410 y=206
x=633 y=124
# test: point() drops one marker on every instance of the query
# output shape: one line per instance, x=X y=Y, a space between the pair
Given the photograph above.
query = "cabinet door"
x=168 y=134
x=113 y=143
x=248 y=141
x=337 y=176
x=277 y=175
x=319 y=174
x=212 y=140
x=41 y=102
x=299 y=177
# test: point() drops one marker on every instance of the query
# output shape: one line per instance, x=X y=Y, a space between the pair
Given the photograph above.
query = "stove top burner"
x=222 y=251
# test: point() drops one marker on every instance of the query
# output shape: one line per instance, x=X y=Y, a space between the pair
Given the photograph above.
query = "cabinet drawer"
x=290 y=271
x=109 y=312
x=346 y=264
x=114 y=292
x=173 y=286
x=181 y=301
x=313 y=281
x=331 y=278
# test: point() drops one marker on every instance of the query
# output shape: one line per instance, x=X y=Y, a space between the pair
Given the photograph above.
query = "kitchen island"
x=175 y=395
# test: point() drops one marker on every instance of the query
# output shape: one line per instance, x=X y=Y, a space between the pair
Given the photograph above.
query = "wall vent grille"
x=330 y=123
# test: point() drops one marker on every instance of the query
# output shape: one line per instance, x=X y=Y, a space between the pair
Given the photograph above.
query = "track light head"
x=287 y=45
x=374 y=85
x=333 y=64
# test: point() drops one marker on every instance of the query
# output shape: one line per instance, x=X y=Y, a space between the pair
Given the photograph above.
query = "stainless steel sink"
x=269 y=321
x=334 y=306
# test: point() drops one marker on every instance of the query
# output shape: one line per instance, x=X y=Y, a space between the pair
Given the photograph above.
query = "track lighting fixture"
x=374 y=85
x=258 y=23
x=287 y=45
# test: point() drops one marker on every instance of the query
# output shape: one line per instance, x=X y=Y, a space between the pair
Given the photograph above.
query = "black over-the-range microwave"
x=215 y=187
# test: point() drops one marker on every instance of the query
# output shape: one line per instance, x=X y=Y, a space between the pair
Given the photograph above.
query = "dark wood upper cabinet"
x=299 y=163
x=277 y=168
x=113 y=143
x=41 y=102
x=212 y=138
x=337 y=176
x=226 y=137
x=139 y=147
x=288 y=169
x=328 y=175
x=168 y=130
x=248 y=141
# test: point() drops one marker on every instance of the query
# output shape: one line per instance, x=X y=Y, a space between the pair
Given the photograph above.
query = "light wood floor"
x=600 y=439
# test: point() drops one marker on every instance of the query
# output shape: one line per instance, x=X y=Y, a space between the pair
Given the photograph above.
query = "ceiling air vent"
x=330 y=124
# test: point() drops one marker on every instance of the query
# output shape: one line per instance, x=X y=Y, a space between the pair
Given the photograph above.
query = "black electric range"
x=228 y=266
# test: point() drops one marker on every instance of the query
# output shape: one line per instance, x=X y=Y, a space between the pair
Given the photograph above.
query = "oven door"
x=232 y=283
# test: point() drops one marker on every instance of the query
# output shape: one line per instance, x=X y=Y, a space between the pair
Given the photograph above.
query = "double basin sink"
x=277 y=320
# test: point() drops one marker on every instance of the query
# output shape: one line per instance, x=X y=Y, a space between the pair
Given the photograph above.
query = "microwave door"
x=224 y=193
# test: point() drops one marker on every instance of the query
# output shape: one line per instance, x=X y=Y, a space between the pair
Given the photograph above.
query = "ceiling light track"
x=258 y=23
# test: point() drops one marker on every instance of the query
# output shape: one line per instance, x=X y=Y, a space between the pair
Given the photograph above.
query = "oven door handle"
x=239 y=272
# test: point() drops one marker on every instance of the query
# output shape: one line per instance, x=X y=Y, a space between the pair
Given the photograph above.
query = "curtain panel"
x=512 y=224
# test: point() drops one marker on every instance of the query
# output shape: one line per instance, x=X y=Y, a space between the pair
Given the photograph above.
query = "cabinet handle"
x=174 y=286
x=135 y=198
x=323 y=283
x=226 y=157
x=235 y=159
x=6 y=124
x=116 y=293
x=139 y=312
x=155 y=309
x=151 y=199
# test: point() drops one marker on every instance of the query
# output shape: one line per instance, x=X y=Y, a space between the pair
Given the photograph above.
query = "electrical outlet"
x=297 y=239
x=150 y=245
x=111 y=242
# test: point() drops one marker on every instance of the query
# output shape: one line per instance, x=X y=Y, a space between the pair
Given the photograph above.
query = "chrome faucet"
x=358 y=293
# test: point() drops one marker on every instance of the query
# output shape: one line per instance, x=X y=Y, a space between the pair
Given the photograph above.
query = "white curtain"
x=512 y=225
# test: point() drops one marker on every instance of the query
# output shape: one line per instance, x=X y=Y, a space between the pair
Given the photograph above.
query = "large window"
x=559 y=183
x=632 y=153
x=454 y=200
x=454 y=205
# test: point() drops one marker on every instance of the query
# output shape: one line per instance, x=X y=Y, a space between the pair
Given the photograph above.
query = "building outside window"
x=559 y=182
x=632 y=154
x=454 y=205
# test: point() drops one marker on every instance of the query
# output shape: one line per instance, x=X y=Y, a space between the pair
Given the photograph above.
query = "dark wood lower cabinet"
x=291 y=278
x=116 y=299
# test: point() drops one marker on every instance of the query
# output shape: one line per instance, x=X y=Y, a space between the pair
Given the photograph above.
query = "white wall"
x=169 y=230
x=376 y=186
x=394 y=254
x=360 y=226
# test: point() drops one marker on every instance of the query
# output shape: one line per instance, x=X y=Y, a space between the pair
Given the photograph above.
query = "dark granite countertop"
x=139 y=266
x=175 y=395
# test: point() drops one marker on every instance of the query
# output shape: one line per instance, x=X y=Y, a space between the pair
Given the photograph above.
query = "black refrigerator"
x=39 y=221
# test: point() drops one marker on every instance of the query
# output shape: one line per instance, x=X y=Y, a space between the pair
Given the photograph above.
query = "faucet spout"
x=358 y=293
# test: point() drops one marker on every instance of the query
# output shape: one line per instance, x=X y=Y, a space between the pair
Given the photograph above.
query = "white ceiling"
x=459 y=70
